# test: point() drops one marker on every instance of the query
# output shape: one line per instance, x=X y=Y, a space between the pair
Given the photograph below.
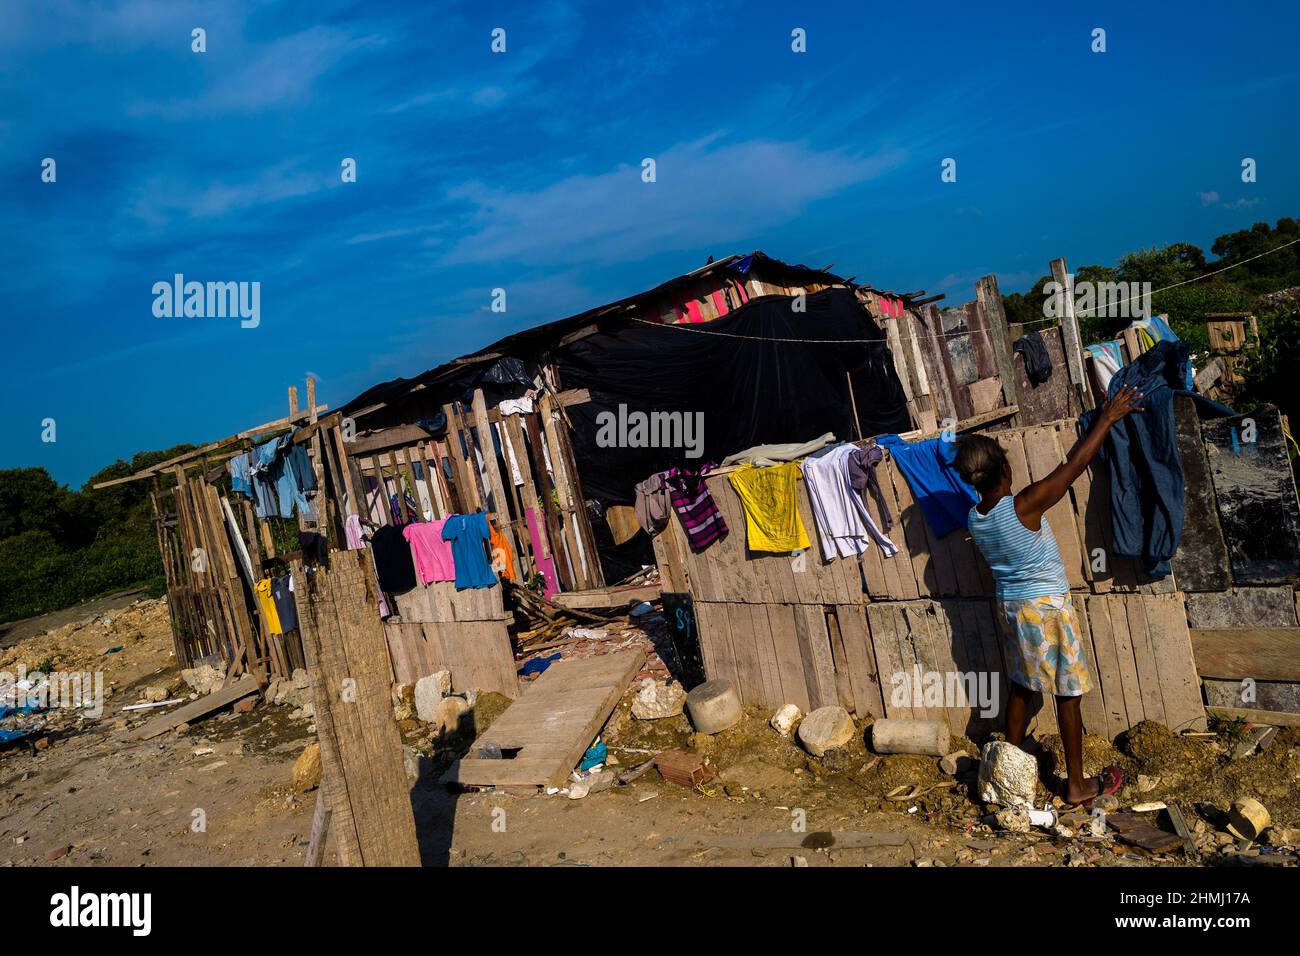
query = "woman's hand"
x=1121 y=403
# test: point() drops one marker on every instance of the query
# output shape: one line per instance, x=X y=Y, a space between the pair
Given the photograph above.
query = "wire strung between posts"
x=909 y=338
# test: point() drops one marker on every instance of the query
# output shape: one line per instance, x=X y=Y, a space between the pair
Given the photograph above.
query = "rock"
x=204 y=678
x=306 y=769
x=1284 y=836
x=301 y=679
x=403 y=701
x=154 y=694
x=448 y=713
x=1008 y=775
x=246 y=705
x=58 y=853
x=957 y=762
x=656 y=700
x=1147 y=784
x=1015 y=819
x=429 y=692
x=713 y=706
x=825 y=729
x=784 y=720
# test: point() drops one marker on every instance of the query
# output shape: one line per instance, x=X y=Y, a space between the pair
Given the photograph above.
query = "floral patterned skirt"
x=1043 y=648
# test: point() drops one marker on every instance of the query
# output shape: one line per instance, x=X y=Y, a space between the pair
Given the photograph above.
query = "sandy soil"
x=222 y=794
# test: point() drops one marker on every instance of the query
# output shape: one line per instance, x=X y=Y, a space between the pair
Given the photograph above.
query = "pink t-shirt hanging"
x=433 y=558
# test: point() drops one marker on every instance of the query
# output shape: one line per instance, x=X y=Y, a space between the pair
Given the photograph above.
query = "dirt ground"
x=80 y=791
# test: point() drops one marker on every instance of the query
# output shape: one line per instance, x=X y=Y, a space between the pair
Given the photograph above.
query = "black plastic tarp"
x=751 y=390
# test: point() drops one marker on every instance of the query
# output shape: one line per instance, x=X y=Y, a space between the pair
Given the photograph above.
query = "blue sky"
x=521 y=170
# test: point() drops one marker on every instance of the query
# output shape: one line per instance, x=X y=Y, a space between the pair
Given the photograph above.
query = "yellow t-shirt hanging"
x=268 y=606
x=771 y=501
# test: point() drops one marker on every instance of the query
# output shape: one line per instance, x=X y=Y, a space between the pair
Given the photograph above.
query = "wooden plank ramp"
x=544 y=734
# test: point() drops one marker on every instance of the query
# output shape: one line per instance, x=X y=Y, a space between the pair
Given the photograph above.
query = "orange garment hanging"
x=503 y=557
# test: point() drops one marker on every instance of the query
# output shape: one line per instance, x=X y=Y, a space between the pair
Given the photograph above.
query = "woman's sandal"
x=1116 y=780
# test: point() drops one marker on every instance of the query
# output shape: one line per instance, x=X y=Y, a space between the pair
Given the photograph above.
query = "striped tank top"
x=1025 y=564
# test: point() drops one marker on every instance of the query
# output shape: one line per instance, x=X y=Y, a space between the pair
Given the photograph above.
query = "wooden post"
x=989 y=302
x=1070 y=334
x=363 y=774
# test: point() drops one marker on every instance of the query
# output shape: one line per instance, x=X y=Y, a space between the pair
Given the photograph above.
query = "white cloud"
x=705 y=191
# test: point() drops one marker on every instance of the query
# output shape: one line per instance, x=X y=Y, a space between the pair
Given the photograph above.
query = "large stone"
x=656 y=700
x=1008 y=775
x=825 y=729
x=306 y=769
x=155 y=694
x=301 y=679
x=783 y=720
x=204 y=678
x=429 y=692
x=713 y=706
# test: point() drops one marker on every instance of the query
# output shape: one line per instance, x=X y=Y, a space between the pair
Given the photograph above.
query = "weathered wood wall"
x=795 y=629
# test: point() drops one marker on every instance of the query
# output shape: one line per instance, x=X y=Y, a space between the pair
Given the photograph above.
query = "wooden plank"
x=1107 y=673
x=1144 y=654
x=785 y=638
x=553 y=723
x=839 y=657
x=1180 y=688
x=466 y=481
x=903 y=566
x=1276 y=718
x=563 y=567
x=1266 y=653
x=1125 y=657
x=888 y=631
x=815 y=651
x=1201 y=562
x=344 y=640
x=713 y=622
x=860 y=659
x=988 y=301
x=1070 y=334
x=196 y=709
x=1093 y=705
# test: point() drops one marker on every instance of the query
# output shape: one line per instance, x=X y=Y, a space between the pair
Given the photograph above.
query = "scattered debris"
x=683 y=769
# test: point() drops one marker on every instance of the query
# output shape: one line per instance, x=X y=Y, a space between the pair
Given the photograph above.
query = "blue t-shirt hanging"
x=469 y=535
x=944 y=498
